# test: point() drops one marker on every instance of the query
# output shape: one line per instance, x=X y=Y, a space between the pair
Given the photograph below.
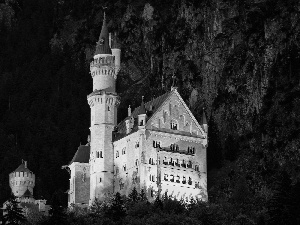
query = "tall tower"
x=22 y=180
x=103 y=102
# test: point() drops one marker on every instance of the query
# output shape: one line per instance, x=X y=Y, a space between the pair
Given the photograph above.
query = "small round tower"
x=21 y=180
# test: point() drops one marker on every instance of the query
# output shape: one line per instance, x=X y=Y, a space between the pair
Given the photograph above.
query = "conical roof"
x=103 y=43
x=23 y=168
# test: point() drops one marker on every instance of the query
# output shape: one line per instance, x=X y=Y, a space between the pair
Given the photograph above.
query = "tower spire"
x=103 y=43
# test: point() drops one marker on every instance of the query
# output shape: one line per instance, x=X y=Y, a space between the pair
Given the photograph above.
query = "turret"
x=142 y=115
x=22 y=180
x=106 y=62
x=204 y=122
x=103 y=102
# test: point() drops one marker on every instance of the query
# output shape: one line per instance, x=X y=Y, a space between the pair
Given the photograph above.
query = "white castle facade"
x=159 y=147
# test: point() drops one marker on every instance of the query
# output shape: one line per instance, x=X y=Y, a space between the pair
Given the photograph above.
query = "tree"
x=133 y=196
x=14 y=213
x=117 y=211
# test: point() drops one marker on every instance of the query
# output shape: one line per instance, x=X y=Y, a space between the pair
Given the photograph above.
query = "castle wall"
x=127 y=161
x=79 y=192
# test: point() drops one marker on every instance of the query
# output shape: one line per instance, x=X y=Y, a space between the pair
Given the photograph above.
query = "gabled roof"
x=150 y=107
x=103 y=43
x=82 y=154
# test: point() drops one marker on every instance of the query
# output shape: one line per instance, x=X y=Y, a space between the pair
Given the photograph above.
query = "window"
x=165 y=117
x=166 y=177
x=100 y=180
x=124 y=167
x=177 y=162
x=108 y=109
x=174 y=125
x=117 y=154
x=178 y=179
x=117 y=170
x=197 y=185
x=189 y=164
x=191 y=150
x=137 y=144
x=136 y=162
x=183 y=163
x=165 y=162
x=174 y=147
x=156 y=144
x=141 y=122
x=197 y=167
x=101 y=156
x=124 y=151
x=97 y=154
x=171 y=162
x=172 y=178
x=152 y=178
x=190 y=181
x=151 y=193
x=151 y=161
x=183 y=180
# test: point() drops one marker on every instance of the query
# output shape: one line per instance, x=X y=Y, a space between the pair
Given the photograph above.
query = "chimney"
x=25 y=162
x=129 y=111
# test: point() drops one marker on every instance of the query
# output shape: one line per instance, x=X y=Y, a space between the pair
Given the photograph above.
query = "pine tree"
x=133 y=196
x=143 y=196
x=14 y=213
x=117 y=209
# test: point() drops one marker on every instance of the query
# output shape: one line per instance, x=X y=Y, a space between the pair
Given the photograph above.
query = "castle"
x=22 y=182
x=159 y=147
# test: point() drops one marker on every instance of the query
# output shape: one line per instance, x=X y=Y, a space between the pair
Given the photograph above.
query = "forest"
x=238 y=60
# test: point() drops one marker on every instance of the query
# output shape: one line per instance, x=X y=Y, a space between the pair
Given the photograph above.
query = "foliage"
x=238 y=59
x=13 y=212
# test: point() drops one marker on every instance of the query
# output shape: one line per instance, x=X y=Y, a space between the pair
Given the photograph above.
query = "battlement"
x=98 y=98
x=105 y=71
x=103 y=61
x=14 y=175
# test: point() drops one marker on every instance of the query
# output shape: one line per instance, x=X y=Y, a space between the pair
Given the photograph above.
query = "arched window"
x=178 y=179
x=136 y=162
x=117 y=154
x=190 y=181
x=101 y=156
x=172 y=178
x=165 y=114
x=183 y=180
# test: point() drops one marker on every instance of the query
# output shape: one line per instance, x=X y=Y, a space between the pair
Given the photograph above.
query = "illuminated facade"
x=159 y=146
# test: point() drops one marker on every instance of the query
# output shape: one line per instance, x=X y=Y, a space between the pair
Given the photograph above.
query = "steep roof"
x=82 y=154
x=151 y=107
x=22 y=168
x=103 y=43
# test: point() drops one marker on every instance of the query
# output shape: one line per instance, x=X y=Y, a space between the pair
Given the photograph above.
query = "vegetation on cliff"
x=239 y=60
